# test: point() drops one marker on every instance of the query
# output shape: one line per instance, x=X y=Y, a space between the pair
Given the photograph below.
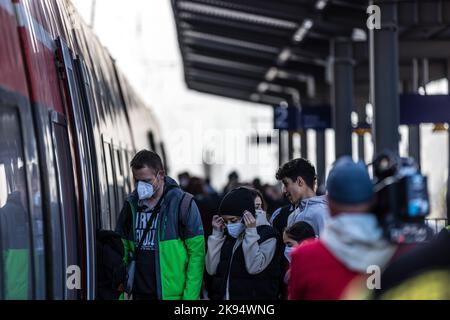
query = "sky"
x=141 y=36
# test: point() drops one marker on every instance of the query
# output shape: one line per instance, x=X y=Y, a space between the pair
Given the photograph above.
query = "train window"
x=106 y=220
x=67 y=197
x=15 y=253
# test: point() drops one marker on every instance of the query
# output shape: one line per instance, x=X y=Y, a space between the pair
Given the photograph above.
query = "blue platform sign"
x=316 y=117
x=416 y=109
x=306 y=117
x=286 y=118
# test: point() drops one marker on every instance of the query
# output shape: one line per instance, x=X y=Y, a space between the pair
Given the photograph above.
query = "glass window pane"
x=14 y=217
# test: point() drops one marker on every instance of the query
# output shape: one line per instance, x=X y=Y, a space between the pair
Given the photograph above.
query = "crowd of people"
x=259 y=242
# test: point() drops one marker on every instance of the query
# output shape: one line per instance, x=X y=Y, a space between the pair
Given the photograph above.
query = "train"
x=70 y=124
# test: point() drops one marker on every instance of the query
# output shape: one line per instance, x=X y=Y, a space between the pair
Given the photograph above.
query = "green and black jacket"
x=180 y=248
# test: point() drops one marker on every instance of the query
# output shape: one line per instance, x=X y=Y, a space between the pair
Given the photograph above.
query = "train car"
x=69 y=126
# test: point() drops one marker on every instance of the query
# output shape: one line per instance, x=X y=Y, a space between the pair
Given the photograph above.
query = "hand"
x=218 y=223
x=249 y=220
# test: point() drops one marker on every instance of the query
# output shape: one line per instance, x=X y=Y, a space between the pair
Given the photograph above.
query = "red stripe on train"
x=12 y=74
x=42 y=72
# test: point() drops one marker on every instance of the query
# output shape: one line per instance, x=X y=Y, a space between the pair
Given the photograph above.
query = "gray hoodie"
x=314 y=211
x=357 y=241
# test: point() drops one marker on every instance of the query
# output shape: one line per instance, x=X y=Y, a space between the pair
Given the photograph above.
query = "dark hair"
x=255 y=194
x=145 y=158
x=195 y=186
x=233 y=176
x=300 y=231
x=298 y=168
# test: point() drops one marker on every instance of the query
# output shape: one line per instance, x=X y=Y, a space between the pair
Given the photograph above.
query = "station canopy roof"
x=268 y=51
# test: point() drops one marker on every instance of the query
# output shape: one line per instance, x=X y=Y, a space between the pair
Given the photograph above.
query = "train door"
x=67 y=199
x=72 y=87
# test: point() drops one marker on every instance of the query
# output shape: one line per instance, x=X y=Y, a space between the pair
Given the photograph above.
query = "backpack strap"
x=183 y=212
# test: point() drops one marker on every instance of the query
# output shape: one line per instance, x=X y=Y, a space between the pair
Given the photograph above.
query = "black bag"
x=110 y=267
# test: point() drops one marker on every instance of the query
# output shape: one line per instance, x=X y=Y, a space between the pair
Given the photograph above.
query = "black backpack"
x=111 y=270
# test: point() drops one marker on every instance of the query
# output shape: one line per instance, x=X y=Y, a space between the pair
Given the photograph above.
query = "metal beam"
x=283 y=11
x=408 y=50
x=235 y=15
x=204 y=37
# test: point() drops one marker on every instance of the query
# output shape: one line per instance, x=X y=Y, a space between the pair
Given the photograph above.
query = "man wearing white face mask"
x=243 y=255
x=162 y=232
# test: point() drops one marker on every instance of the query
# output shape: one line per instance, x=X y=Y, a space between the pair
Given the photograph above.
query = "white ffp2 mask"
x=145 y=190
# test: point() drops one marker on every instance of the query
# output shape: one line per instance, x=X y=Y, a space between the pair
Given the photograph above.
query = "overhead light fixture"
x=303 y=30
x=271 y=74
x=211 y=10
x=255 y=97
x=284 y=56
x=321 y=4
x=359 y=35
x=284 y=104
x=440 y=127
x=263 y=87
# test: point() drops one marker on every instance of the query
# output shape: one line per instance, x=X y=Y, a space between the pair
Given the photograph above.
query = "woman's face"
x=288 y=242
x=258 y=203
x=231 y=219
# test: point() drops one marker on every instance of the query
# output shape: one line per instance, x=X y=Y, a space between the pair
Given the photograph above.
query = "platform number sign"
x=281 y=118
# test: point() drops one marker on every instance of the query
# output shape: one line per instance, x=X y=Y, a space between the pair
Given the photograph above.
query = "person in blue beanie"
x=352 y=240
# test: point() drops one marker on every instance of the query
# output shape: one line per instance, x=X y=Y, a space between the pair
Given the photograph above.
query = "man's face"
x=294 y=190
x=148 y=175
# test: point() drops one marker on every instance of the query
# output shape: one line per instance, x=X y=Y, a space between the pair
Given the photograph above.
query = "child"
x=293 y=236
x=242 y=255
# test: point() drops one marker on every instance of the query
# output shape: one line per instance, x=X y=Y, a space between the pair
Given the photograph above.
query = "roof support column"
x=448 y=155
x=343 y=96
x=384 y=75
x=414 y=130
x=281 y=147
x=320 y=156
x=304 y=143
x=290 y=145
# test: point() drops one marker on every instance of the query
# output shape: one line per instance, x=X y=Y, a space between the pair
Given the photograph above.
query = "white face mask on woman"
x=259 y=212
x=235 y=229
x=287 y=253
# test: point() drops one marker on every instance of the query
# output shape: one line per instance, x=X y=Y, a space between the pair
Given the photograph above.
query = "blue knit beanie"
x=349 y=182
